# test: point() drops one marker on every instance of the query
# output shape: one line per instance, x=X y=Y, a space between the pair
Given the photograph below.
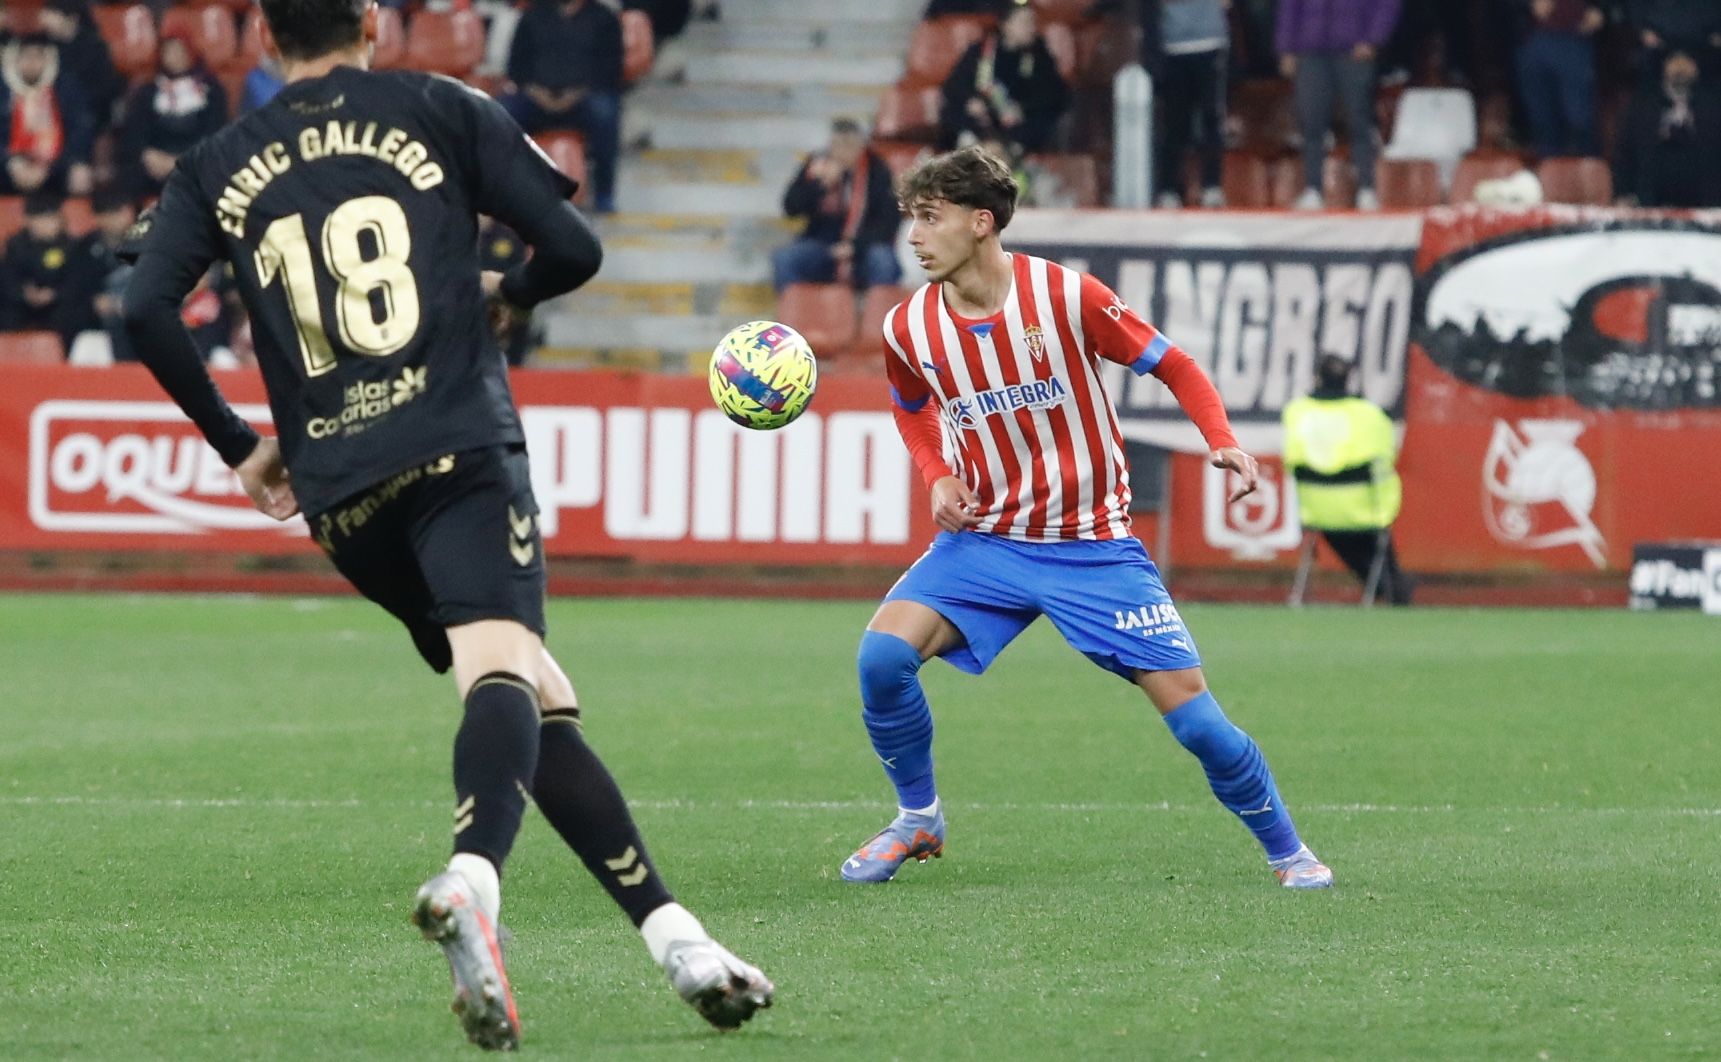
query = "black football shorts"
x=448 y=542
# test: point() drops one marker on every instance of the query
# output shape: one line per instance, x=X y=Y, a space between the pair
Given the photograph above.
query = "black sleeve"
x=802 y=196
x=883 y=216
x=518 y=185
x=177 y=247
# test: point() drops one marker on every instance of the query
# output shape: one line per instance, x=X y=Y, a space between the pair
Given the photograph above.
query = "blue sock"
x=893 y=706
x=1237 y=772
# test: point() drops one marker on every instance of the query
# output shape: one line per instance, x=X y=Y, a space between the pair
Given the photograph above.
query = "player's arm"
x=518 y=185
x=954 y=506
x=1117 y=333
x=172 y=252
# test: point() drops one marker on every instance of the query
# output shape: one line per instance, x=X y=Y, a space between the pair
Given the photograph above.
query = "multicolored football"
x=763 y=375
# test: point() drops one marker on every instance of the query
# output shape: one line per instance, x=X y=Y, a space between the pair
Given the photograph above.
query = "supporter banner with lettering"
x=1561 y=401
x=624 y=465
x=1255 y=298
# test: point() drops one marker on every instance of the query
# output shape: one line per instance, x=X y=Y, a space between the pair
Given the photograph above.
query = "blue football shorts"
x=1105 y=598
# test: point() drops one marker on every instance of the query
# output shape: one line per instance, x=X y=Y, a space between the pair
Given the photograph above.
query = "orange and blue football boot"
x=909 y=836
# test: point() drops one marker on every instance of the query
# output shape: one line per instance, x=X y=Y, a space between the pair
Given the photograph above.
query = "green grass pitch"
x=215 y=812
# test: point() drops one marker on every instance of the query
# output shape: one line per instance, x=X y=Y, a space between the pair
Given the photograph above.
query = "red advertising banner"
x=624 y=465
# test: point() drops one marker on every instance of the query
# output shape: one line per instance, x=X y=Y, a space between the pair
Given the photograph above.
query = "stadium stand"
x=31 y=348
x=129 y=31
x=937 y=45
x=1478 y=167
x=1408 y=184
x=1588 y=182
x=445 y=42
x=908 y=112
x=875 y=305
x=639 y=46
x=211 y=30
x=823 y=313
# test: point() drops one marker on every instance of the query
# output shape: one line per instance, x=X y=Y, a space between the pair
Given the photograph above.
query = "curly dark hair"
x=309 y=29
x=969 y=177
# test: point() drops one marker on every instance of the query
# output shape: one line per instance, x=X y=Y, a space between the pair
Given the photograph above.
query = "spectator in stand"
x=1665 y=152
x=38 y=274
x=1328 y=47
x=1557 y=76
x=566 y=63
x=1007 y=85
x=84 y=56
x=1189 y=73
x=848 y=199
x=1666 y=26
x=48 y=126
x=102 y=276
x=165 y=117
x=261 y=84
x=1433 y=40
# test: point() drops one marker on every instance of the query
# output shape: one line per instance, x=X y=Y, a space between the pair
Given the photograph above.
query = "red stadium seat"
x=232 y=80
x=31 y=348
x=250 y=50
x=1061 y=42
x=638 y=45
x=1478 y=167
x=11 y=216
x=211 y=31
x=1338 y=181
x=1408 y=184
x=869 y=343
x=235 y=6
x=1077 y=175
x=938 y=44
x=1588 y=182
x=1286 y=177
x=908 y=112
x=1246 y=181
x=1262 y=116
x=390 y=51
x=568 y=151
x=445 y=42
x=823 y=313
x=129 y=31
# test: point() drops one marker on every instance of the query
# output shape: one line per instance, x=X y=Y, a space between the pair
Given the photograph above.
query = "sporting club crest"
x=1538 y=488
x=1036 y=341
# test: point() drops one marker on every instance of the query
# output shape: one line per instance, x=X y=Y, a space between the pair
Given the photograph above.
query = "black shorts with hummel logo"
x=449 y=542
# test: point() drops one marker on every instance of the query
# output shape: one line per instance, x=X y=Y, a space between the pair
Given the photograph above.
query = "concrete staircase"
x=714 y=134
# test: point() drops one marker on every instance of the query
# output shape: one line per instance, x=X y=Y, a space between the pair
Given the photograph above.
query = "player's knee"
x=887 y=664
x=491 y=646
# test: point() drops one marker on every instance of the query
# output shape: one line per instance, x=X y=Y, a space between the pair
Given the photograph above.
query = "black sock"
x=575 y=792
x=495 y=755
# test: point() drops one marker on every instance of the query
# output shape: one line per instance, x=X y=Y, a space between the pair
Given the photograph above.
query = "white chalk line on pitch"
x=297 y=804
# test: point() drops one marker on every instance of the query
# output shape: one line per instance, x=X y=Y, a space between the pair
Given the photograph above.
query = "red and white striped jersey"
x=1026 y=420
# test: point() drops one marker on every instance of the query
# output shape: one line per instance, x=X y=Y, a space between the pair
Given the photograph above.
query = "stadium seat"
x=232 y=80
x=899 y=155
x=129 y=31
x=22 y=18
x=1438 y=124
x=390 y=51
x=445 y=42
x=31 y=348
x=869 y=341
x=823 y=313
x=938 y=43
x=11 y=216
x=1065 y=12
x=1285 y=177
x=1408 y=184
x=250 y=50
x=1061 y=42
x=1587 y=182
x=1246 y=181
x=639 y=47
x=1076 y=176
x=1478 y=167
x=1338 y=181
x=908 y=112
x=211 y=31
x=568 y=151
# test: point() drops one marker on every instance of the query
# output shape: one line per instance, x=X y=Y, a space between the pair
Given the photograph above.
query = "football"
x=763 y=375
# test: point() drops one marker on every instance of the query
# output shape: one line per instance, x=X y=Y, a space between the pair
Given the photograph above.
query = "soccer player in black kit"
x=347 y=208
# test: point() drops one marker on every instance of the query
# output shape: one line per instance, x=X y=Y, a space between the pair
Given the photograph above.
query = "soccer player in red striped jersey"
x=994 y=367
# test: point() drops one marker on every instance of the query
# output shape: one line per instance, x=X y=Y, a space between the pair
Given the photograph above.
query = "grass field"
x=215 y=812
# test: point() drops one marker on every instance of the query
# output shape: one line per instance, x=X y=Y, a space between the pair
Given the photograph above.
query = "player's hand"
x=1288 y=65
x=266 y=480
x=1241 y=463
x=954 y=506
x=504 y=316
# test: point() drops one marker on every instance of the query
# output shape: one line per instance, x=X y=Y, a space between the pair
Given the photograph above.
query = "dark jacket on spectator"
x=1665 y=156
x=172 y=114
x=77 y=122
x=1681 y=24
x=46 y=264
x=86 y=60
x=1029 y=76
x=1308 y=26
x=558 y=51
x=827 y=211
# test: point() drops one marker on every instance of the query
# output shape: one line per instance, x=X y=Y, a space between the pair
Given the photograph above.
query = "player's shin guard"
x=495 y=754
x=1237 y=772
x=581 y=800
x=897 y=718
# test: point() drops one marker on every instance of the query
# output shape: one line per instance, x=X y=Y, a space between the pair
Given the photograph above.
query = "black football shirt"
x=348 y=207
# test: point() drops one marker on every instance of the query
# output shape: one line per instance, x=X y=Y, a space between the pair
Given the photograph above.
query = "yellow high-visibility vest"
x=1341 y=452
